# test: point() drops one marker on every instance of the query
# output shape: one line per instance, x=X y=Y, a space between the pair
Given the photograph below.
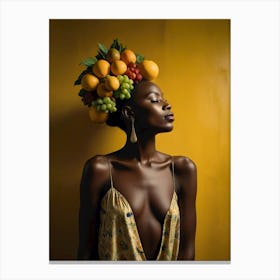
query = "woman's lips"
x=169 y=117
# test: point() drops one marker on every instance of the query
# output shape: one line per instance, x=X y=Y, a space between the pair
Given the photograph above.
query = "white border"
x=254 y=131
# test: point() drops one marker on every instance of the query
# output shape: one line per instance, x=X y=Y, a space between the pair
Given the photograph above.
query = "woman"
x=138 y=203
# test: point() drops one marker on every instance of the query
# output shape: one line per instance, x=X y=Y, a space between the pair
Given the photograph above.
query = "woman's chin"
x=170 y=129
x=166 y=128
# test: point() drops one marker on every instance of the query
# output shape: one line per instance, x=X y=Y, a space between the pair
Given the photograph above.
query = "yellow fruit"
x=112 y=55
x=118 y=67
x=149 y=69
x=101 y=68
x=128 y=56
x=112 y=83
x=89 y=82
x=97 y=116
x=102 y=91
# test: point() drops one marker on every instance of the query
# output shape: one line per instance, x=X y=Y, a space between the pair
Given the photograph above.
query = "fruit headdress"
x=110 y=75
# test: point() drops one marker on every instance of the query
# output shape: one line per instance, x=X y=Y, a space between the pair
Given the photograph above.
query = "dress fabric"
x=118 y=234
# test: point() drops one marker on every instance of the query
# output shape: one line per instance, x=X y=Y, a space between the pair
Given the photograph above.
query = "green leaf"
x=117 y=45
x=89 y=61
x=121 y=47
x=139 y=58
x=114 y=44
x=102 y=48
x=77 y=82
x=101 y=55
x=82 y=92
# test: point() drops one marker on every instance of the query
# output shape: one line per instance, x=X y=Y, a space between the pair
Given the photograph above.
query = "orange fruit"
x=128 y=56
x=97 y=116
x=113 y=54
x=112 y=82
x=101 y=68
x=118 y=67
x=102 y=91
x=89 y=82
x=148 y=69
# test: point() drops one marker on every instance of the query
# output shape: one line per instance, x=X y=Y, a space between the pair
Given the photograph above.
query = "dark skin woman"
x=142 y=175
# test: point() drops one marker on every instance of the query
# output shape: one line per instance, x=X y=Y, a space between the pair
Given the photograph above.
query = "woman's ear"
x=127 y=112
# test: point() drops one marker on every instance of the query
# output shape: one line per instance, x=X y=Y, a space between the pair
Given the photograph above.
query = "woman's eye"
x=155 y=101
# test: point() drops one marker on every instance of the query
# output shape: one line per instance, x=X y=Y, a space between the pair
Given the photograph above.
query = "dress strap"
x=110 y=172
x=173 y=175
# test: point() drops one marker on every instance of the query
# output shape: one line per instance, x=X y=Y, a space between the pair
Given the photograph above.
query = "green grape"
x=125 y=92
x=105 y=104
x=99 y=101
x=107 y=100
x=125 y=86
x=120 y=78
x=125 y=79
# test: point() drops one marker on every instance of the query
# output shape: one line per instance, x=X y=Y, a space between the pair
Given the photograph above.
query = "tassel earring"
x=133 y=136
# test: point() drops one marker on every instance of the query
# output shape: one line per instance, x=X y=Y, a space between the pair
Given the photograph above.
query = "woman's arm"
x=186 y=177
x=95 y=174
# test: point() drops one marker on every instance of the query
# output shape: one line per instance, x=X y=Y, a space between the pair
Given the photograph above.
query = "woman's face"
x=152 y=112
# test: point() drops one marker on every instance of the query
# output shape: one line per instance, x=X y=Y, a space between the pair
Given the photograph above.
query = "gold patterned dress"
x=118 y=235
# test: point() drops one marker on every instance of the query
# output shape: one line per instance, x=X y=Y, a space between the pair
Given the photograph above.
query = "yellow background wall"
x=194 y=61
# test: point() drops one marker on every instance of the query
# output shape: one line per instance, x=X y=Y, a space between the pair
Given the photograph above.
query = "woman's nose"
x=166 y=105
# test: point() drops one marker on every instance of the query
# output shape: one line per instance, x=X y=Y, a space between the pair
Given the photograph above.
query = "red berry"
x=136 y=71
x=133 y=75
x=139 y=77
x=131 y=64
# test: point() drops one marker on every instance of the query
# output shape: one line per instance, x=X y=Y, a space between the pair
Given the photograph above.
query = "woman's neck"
x=143 y=150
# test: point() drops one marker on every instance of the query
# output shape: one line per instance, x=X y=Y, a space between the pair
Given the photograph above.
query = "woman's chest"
x=147 y=191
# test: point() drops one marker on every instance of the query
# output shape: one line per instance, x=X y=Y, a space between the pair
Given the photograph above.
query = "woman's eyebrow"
x=152 y=92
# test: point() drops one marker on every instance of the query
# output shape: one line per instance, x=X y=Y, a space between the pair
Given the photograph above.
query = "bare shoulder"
x=96 y=173
x=186 y=175
x=184 y=165
x=96 y=164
